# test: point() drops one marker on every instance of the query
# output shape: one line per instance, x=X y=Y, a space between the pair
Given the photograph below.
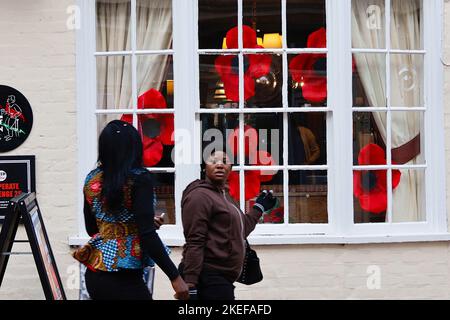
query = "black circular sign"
x=16 y=118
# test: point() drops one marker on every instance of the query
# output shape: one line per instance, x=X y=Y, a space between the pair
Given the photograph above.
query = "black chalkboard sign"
x=17 y=175
x=26 y=206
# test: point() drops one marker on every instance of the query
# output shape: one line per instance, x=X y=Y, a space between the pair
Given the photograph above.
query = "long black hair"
x=119 y=151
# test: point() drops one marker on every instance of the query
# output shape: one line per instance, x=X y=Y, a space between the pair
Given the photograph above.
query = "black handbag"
x=251 y=271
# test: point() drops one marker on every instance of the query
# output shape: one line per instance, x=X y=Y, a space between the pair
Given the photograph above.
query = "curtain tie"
x=407 y=151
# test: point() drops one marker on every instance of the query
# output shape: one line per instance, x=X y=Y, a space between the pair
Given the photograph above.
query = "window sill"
x=309 y=239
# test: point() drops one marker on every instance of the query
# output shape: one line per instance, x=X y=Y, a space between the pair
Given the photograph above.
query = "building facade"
x=307 y=95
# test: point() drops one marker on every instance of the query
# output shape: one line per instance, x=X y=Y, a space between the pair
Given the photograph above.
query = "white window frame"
x=340 y=228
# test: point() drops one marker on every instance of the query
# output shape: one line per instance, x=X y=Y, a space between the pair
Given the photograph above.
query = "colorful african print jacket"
x=117 y=244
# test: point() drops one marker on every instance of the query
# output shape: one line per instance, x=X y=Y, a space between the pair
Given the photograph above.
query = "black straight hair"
x=119 y=151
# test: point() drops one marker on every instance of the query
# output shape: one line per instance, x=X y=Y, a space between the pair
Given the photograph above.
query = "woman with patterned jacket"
x=119 y=217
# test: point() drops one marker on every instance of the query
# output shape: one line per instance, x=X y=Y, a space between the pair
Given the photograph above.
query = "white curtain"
x=154 y=32
x=406 y=87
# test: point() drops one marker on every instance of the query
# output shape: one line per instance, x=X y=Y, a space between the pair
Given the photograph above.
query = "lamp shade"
x=224 y=43
x=272 y=40
x=170 y=87
x=259 y=41
x=219 y=92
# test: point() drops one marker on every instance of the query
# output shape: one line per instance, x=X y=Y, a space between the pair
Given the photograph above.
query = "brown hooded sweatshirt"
x=215 y=230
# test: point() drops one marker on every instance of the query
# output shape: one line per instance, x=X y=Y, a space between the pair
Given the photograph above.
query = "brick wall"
x=37 y=57
x=37 y=54
x=407 y=271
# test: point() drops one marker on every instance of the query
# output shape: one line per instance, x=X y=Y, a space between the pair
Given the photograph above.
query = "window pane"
x=369 y=80
x=308 y=197
x=369 y=136
x=165 y=195
x=368 y=24
x=370 y=196
x=155 y=72
x=408 y=199
x=408 y=138
x=215 y=19
x=263 y=139
x=304 y=17
x=114 y=82
x=154 y=24
x=371 y=201
x=263 y=80
x=406 y=24
x=255 y=182
x=216 y=131
x=307 y=138
x=157 y=131
x=264 y=18
x=104 y=119
x=263 y=136
x=407 y=78
x=113 y=25
x=308 y=80
x=219 y=81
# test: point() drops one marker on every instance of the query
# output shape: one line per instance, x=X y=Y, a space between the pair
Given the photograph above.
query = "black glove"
x=265 y=201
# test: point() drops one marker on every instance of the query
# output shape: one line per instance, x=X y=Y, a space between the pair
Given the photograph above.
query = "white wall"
x=37 y=54
x=407 y=271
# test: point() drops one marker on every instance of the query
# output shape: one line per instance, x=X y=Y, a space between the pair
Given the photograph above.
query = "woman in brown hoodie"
x=215 y=230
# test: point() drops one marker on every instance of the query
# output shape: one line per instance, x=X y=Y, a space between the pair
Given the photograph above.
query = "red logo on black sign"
x=16 y=118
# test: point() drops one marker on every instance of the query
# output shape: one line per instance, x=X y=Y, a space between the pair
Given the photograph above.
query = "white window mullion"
x=241 y=136
x=86 y=101
x=134 y=93
x=285 y=100
x=154 y=52
x=340 y=158
x=435 y=184
x=185 y=66
x=266 y=110
x=389 y=113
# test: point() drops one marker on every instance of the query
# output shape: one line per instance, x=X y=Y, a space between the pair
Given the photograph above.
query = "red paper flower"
x=156 y=129
x=276 y=215
x=370 y=187
x=309 y=69
x=253 y=178
x=255 y=65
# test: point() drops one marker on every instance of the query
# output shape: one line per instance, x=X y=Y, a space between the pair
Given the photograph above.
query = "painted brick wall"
x=37 y=54
x=37 y=57
x=407 y=271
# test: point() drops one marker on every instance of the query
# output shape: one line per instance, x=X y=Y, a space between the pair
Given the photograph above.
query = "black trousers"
x=121 y=285
x=214 y=286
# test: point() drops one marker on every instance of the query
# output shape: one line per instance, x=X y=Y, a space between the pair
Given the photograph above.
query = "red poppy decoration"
x=255 y=65
x=309 y=70
x=370 y=187
x=156 y=129
x=274 y=216
x=253 y=178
